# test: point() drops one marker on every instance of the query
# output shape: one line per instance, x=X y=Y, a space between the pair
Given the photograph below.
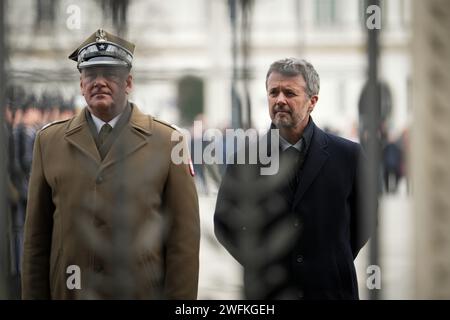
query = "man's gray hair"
x=291 y=67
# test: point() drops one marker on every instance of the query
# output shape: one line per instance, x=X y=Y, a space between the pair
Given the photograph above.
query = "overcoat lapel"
x=131 y=138
x=314 y=161
x=79 y=135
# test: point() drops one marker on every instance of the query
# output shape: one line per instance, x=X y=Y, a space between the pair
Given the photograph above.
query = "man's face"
x=289 y=105
x=32 y=116
x=105 y=88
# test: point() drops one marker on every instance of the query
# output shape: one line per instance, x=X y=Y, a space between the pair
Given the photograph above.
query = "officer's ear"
x=81 y=83
x=129 y=83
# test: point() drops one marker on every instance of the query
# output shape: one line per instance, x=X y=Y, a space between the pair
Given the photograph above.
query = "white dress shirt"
x=285 y=144
x=99 y=122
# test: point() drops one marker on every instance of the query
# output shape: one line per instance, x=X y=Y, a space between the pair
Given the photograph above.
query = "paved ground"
x=221 y=276
x=396 y=249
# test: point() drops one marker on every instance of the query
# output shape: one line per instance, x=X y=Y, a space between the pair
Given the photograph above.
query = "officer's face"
x=289 y=105
x=105 y=89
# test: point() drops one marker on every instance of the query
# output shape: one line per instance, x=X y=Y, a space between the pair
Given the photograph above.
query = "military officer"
x=109 y=215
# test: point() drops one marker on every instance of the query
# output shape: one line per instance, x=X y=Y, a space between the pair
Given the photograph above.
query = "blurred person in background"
x=14 y=184
x=67 y=109
x=403 y=142
x=25 y=114
x=32 y=122
x=23 y=133
x=392 y=165
x=203 y=171
x=16 y=96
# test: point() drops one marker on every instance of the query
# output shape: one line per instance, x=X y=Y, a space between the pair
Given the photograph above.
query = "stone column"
x=430 y=147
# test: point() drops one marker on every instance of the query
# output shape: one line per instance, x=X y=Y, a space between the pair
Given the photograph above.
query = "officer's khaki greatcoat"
x=74 y=198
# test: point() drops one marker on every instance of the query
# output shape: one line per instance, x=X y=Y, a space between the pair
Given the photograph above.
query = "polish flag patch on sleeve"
x=191 y=168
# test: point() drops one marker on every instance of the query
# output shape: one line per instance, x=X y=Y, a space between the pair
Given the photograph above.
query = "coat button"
x=296 y=223
x=98 y=268
x=300 y=294
x=300 y=259
x=99 y=180
x=98 y=222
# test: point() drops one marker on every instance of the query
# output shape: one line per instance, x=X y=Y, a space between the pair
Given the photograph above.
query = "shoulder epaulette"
x=52 y=123
x=172 y=126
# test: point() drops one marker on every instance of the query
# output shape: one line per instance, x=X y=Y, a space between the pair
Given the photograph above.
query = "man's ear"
x=129 y=84
x=81 y=85
x=313 y=101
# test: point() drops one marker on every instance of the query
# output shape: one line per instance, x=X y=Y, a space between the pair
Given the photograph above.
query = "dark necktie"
x=291 y=159
x=103 y=134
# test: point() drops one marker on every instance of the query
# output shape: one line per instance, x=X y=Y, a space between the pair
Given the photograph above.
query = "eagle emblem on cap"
x=100 y=36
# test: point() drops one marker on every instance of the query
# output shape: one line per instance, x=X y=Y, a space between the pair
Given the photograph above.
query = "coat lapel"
x=131 y=138
x=79 y=135
x=315 y=159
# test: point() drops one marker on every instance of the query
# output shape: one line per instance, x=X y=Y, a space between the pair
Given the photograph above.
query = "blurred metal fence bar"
x=6 y=291
x=370 y=120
